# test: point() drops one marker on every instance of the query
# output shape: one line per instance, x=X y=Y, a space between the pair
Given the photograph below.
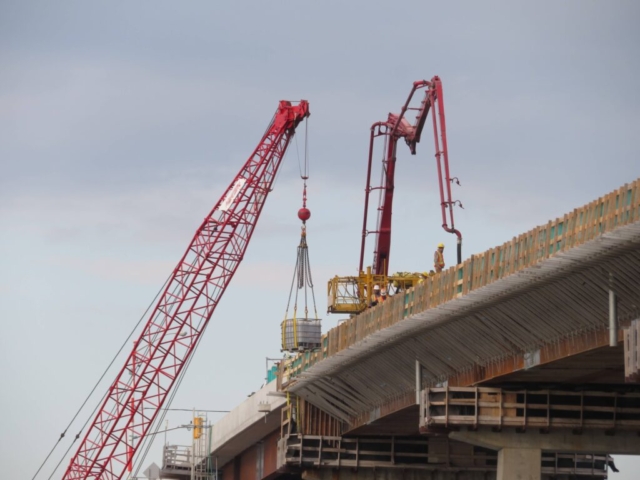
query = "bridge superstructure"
x=539 y=298
x=529 y=349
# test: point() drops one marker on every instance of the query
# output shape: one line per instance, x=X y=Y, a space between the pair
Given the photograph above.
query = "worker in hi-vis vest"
x=375 y=296
x=438 y=258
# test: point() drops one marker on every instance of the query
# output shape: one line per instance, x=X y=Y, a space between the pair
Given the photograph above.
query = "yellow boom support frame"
x=353 y=294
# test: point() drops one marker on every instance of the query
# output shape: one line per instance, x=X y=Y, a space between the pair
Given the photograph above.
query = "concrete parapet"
x=247 y=423
x=519 y=464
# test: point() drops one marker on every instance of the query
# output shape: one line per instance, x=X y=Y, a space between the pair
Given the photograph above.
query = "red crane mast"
x=395 y=128
x=184 y=309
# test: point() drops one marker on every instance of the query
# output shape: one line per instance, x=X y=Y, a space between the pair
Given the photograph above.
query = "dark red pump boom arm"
x=395 y=128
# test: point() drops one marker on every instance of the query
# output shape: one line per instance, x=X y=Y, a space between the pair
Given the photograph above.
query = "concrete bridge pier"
x=519 y=464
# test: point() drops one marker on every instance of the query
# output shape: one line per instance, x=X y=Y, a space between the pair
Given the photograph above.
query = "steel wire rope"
x=306 y=148
x=293 y=280
x=273 y=118
x=147 y=441
x=277 y=176
x=158 y=421
x=302 y=279
x=138 y=463
x=199 y=410
x=302 y=271
x=306 y=168
x=62 y=435
x=310 y=282
x=110 y=365
x=148 y=344
x=286 y=152
x=298 y=155
x=293 y=134
x=174 y=391
x=170 y=309
x=302 y=268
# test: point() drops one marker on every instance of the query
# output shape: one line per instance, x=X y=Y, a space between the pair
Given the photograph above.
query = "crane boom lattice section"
x=183 y=311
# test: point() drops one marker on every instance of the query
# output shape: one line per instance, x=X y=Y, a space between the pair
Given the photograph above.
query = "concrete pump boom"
x=395 y=128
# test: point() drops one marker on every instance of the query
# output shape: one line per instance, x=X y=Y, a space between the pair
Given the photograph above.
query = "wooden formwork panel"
x=314 y=421
x=300 y=416
x=632 y=352
x=421 y=454
x=480 y=406
x=620 y=207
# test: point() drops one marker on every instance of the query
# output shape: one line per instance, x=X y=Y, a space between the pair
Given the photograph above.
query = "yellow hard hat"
x=441 y=245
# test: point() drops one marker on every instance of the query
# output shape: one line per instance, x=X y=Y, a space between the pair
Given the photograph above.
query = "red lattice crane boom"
x=184 y=309
x=395 y=128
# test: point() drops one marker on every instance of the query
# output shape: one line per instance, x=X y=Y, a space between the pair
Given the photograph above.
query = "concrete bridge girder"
x=531 y=311
x=505 y=324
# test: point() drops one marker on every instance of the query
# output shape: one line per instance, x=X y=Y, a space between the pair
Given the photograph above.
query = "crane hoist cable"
x=91 y=415
x=106 y=370
x=302 y=280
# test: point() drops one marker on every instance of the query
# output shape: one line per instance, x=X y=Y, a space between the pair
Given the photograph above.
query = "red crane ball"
x=304 y=214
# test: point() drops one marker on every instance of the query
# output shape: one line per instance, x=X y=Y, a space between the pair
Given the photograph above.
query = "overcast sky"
x=121 y=124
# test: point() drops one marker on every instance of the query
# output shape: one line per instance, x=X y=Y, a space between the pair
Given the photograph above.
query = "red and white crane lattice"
x=183 y=311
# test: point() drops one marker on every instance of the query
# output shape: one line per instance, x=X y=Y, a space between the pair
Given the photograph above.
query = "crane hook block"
x=304 y=214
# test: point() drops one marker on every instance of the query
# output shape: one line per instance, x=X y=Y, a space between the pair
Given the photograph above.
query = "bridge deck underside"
x=545 y=324
x=600 y=366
